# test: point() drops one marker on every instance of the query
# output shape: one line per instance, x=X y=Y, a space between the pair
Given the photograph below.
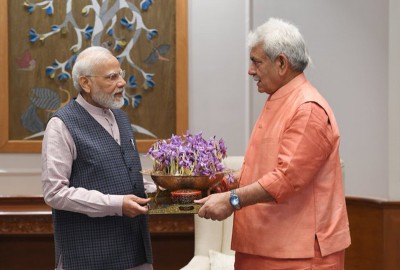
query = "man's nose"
x=121 y=82
x=251 y=71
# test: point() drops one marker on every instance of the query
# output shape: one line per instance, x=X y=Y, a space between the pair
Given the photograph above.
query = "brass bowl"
x=172 y=182
x=176 y=185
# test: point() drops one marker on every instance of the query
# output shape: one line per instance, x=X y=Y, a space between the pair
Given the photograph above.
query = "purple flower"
x=188 y=155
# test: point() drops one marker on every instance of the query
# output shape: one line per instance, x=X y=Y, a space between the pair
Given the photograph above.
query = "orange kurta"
x=295 y=158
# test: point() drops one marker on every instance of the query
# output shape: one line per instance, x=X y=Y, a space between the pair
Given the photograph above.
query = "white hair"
x=278 y=36
x=87 y=61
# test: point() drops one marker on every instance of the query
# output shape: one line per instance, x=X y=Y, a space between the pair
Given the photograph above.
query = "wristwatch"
x=234 y=200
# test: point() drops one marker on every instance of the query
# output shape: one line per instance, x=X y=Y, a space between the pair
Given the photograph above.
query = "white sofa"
x=212 y=239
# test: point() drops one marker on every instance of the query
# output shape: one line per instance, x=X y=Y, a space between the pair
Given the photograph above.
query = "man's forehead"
x=257 y=52
x=110 y=64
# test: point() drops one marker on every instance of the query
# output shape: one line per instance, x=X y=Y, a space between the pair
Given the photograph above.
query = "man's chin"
x=117 y=104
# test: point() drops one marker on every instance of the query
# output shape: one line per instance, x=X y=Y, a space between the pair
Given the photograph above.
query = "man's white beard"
x=108 y=100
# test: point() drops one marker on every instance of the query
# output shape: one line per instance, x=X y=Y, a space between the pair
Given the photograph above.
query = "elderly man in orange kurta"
x=289 y=204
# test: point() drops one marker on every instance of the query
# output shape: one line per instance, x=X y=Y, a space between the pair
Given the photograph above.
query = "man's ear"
x=283 y=63
x=84 y=82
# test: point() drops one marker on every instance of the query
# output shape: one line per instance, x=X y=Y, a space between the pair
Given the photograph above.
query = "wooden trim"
x=182 y=67
x=4 y=73
x=370 y=202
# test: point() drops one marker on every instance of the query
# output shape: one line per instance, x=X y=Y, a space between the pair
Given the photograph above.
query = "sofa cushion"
x=220 y=261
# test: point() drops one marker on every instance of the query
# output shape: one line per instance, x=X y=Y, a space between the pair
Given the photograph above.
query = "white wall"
x=355 y=49
x=217 y=73
x=394 y=99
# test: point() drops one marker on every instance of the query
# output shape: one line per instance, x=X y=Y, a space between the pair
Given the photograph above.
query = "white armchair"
x=212 y=239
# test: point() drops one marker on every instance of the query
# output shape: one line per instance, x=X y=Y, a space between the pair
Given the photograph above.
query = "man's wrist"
x=234 y=200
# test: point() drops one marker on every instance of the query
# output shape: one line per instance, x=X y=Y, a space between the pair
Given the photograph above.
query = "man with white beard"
x=91 y=173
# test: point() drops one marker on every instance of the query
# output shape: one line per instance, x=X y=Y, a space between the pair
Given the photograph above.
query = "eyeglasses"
x=113 y=77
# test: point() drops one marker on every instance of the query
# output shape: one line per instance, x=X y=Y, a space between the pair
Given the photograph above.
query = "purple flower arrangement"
x=188 y=155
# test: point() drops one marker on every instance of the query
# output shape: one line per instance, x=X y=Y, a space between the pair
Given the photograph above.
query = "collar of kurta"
x=289 y=87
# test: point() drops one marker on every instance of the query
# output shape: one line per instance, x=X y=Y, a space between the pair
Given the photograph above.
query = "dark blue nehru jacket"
x=111 y=242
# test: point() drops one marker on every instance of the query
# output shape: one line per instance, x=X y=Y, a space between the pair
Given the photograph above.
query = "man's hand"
x=133 y=206
x=227 y=183
x=216 y=206
x=222 y=186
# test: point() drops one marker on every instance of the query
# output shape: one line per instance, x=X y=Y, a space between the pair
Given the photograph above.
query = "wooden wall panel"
x=375 y=234
x=391 y=236
x=366 y=231
x=19 y=252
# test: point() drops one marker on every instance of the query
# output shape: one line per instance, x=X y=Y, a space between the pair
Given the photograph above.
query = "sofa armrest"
x=207 y=235
x=198 y=263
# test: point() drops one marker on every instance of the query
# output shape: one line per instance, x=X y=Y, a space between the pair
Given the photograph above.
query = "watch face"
x=235 y=202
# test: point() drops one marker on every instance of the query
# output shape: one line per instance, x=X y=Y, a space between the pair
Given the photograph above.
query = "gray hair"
x=87 y=61
x=278 y=36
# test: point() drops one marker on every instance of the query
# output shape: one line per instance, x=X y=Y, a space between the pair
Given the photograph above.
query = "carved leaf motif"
x=45 y=98
x=31 y=121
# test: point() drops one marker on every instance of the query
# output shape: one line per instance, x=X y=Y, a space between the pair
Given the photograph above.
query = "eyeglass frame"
x=110 y=76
